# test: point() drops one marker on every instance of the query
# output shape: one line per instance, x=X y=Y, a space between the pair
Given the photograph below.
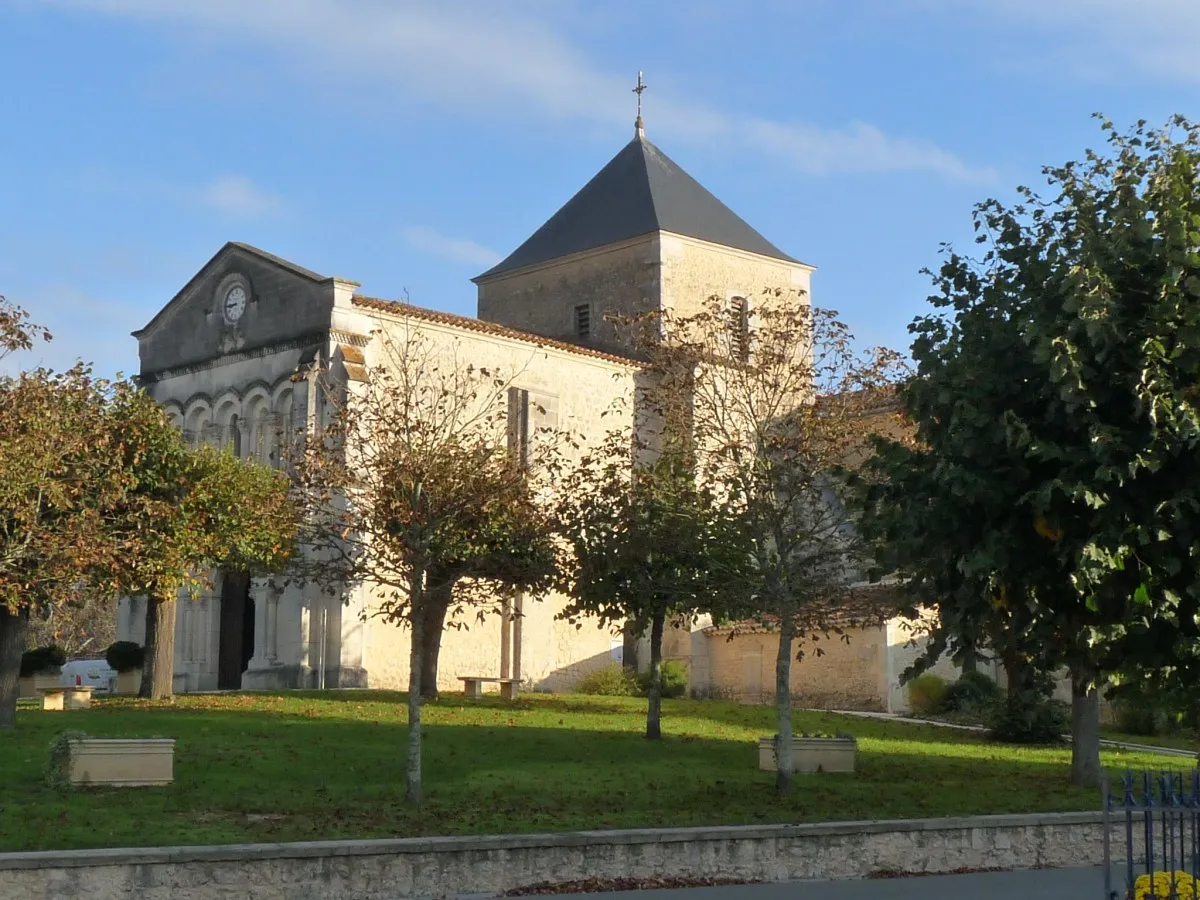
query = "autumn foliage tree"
x=411 y=490
x=56 y=490
x=57 y=486
x=99 y=495
x=648 y=544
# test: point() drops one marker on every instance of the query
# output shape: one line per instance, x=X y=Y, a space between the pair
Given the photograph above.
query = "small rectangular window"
x=583 y=321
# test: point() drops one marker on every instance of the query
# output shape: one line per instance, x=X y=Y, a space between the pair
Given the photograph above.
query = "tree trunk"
x=13 y=629
x=654 y=709
x=783 y=708
x=1015 y=671
x=1085 y=728
x=415 y=665
x=437 y=599
x=970 y=660
x=158 y=672
x=629 y=645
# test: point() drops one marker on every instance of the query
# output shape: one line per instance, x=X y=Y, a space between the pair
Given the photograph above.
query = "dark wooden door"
x=236 y=644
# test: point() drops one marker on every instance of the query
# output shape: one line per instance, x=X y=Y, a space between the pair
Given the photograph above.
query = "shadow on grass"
x=394 y=701
x=267 y=774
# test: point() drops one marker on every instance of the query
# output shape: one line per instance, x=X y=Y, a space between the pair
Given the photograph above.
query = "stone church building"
x=239 y=356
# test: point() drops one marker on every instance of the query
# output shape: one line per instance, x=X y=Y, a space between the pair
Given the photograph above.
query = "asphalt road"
x=1041 y=884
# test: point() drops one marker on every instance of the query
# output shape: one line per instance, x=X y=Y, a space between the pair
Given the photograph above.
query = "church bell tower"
x=641 y=235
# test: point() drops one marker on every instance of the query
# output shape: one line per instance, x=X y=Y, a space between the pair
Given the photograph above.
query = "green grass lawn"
x=303 y=766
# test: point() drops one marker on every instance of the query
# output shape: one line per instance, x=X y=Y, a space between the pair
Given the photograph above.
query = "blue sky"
x=410 y=145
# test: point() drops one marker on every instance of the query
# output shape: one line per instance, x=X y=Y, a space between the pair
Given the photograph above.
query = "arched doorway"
x=236 y=645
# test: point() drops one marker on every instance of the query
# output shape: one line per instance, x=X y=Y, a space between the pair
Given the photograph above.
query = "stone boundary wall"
x=440 y=867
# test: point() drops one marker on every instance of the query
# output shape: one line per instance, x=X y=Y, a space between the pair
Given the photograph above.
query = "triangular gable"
x=280 y=303
x=230 y=248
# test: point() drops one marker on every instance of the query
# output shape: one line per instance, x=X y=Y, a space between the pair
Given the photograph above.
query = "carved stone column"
x=263 y=673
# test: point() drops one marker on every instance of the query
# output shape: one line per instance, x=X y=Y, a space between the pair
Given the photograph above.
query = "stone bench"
x=473 y=686
x=66 y=697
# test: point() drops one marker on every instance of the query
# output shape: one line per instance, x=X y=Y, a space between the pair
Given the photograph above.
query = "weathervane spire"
x=638 y=129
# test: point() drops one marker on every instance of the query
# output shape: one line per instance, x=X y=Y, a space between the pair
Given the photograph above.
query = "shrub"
x=1165 y=884
x=973 y=692
x=927 y=694
x=674 y=679
x=1147 y=708
x=41 y=659
x=1028 y=715
x=125 y=656
x=58 y=765
x=613 y=680
x=1134 y=715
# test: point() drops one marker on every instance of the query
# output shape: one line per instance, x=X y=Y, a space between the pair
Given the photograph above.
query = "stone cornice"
x=349 y=337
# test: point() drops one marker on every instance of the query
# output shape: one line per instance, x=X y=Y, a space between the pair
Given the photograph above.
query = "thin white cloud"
x=497 y=60
x=233 y=196
x=239 y=197
x=461 y=250
x=859 y=148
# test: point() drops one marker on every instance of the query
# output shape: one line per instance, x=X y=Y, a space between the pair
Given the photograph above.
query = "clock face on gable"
x=234 y=303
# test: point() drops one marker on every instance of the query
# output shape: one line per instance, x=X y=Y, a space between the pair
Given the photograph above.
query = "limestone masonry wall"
x=568 y=391
x=847 y=675
x=620 y=278
x=440 y=867
x=693 y=271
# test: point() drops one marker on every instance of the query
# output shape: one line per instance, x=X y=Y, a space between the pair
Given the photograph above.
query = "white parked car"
x=93 y=673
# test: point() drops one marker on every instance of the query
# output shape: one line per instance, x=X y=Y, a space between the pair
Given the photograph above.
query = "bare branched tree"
x=774 y=396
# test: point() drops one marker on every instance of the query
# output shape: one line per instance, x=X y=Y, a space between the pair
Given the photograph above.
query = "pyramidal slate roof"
x=639 y=191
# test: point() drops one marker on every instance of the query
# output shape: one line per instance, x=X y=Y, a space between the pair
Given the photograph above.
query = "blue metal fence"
x=1160 y=812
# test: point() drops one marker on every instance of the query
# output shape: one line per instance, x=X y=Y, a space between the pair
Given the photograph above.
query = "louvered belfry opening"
x=583 y=322
x=740 y=323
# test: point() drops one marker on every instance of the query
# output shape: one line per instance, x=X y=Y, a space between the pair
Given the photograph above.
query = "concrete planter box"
x=124 y=762
x=34 y=684
x=129 y=682
x=812 y=754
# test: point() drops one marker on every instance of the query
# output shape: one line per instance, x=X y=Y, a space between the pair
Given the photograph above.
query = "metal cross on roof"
x=641 y=86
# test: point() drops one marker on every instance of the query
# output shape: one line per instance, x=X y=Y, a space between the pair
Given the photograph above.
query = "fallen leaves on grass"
x=605 y=885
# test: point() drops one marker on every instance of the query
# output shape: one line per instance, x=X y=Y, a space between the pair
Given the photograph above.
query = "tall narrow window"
x=583 y=321
x=518 y=425
x=740 y=323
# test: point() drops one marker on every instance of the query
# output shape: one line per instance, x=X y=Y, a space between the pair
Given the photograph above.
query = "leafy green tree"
x=185 y=512
x=411 y=489
x=648 y=545
x=944 y=510
x=1072 y=444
